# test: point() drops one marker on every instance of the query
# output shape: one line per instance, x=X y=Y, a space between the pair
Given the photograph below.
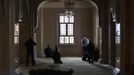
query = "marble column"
x=127 y=41
x=4 y=46
x=104 y=25
x=25 y=30
x=112 y=42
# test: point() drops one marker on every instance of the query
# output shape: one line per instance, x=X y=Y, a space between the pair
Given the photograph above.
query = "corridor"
x=79 y=67
x=109 y=24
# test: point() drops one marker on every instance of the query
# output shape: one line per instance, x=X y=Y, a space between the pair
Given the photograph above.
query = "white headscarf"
x=85 y=41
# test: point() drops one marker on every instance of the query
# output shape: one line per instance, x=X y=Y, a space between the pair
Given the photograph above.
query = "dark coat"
x=29 y=45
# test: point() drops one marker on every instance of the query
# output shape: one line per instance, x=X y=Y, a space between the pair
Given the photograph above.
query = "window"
x=16 y=33
x=66 y=29
x=117 y=36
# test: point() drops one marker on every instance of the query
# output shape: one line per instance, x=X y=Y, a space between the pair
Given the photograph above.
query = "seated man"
x=48 y=52
x=56 y=56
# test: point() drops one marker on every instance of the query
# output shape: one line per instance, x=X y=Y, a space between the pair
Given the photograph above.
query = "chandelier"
x=69 y=6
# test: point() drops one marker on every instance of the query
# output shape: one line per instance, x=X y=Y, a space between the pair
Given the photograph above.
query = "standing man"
x=84 y=42
x=90 y=49
x=30 y=51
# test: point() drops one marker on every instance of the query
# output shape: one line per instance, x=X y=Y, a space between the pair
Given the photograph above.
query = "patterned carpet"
x=79 y=67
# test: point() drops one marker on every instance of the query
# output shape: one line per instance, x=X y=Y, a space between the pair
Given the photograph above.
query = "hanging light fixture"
x=20 y=11
x=69 y=6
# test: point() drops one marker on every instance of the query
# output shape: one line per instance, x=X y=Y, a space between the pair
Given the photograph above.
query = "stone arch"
x=96 y=21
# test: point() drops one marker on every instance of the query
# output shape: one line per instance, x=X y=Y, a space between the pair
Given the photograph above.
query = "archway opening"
x=86 y=22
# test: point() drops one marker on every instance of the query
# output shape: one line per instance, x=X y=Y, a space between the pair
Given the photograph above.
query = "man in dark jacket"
x=30 y=51
x=56 y=56
x=48 y=52
x=90 y=49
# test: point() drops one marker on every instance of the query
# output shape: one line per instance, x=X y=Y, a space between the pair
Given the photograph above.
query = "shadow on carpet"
x=50 y=72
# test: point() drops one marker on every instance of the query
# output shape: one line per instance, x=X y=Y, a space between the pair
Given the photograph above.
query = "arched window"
x=66 y=29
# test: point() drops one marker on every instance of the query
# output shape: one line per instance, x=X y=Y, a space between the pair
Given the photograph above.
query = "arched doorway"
x=86 y=23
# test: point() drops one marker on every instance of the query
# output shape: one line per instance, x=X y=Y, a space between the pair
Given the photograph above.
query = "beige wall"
x=83 y=26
